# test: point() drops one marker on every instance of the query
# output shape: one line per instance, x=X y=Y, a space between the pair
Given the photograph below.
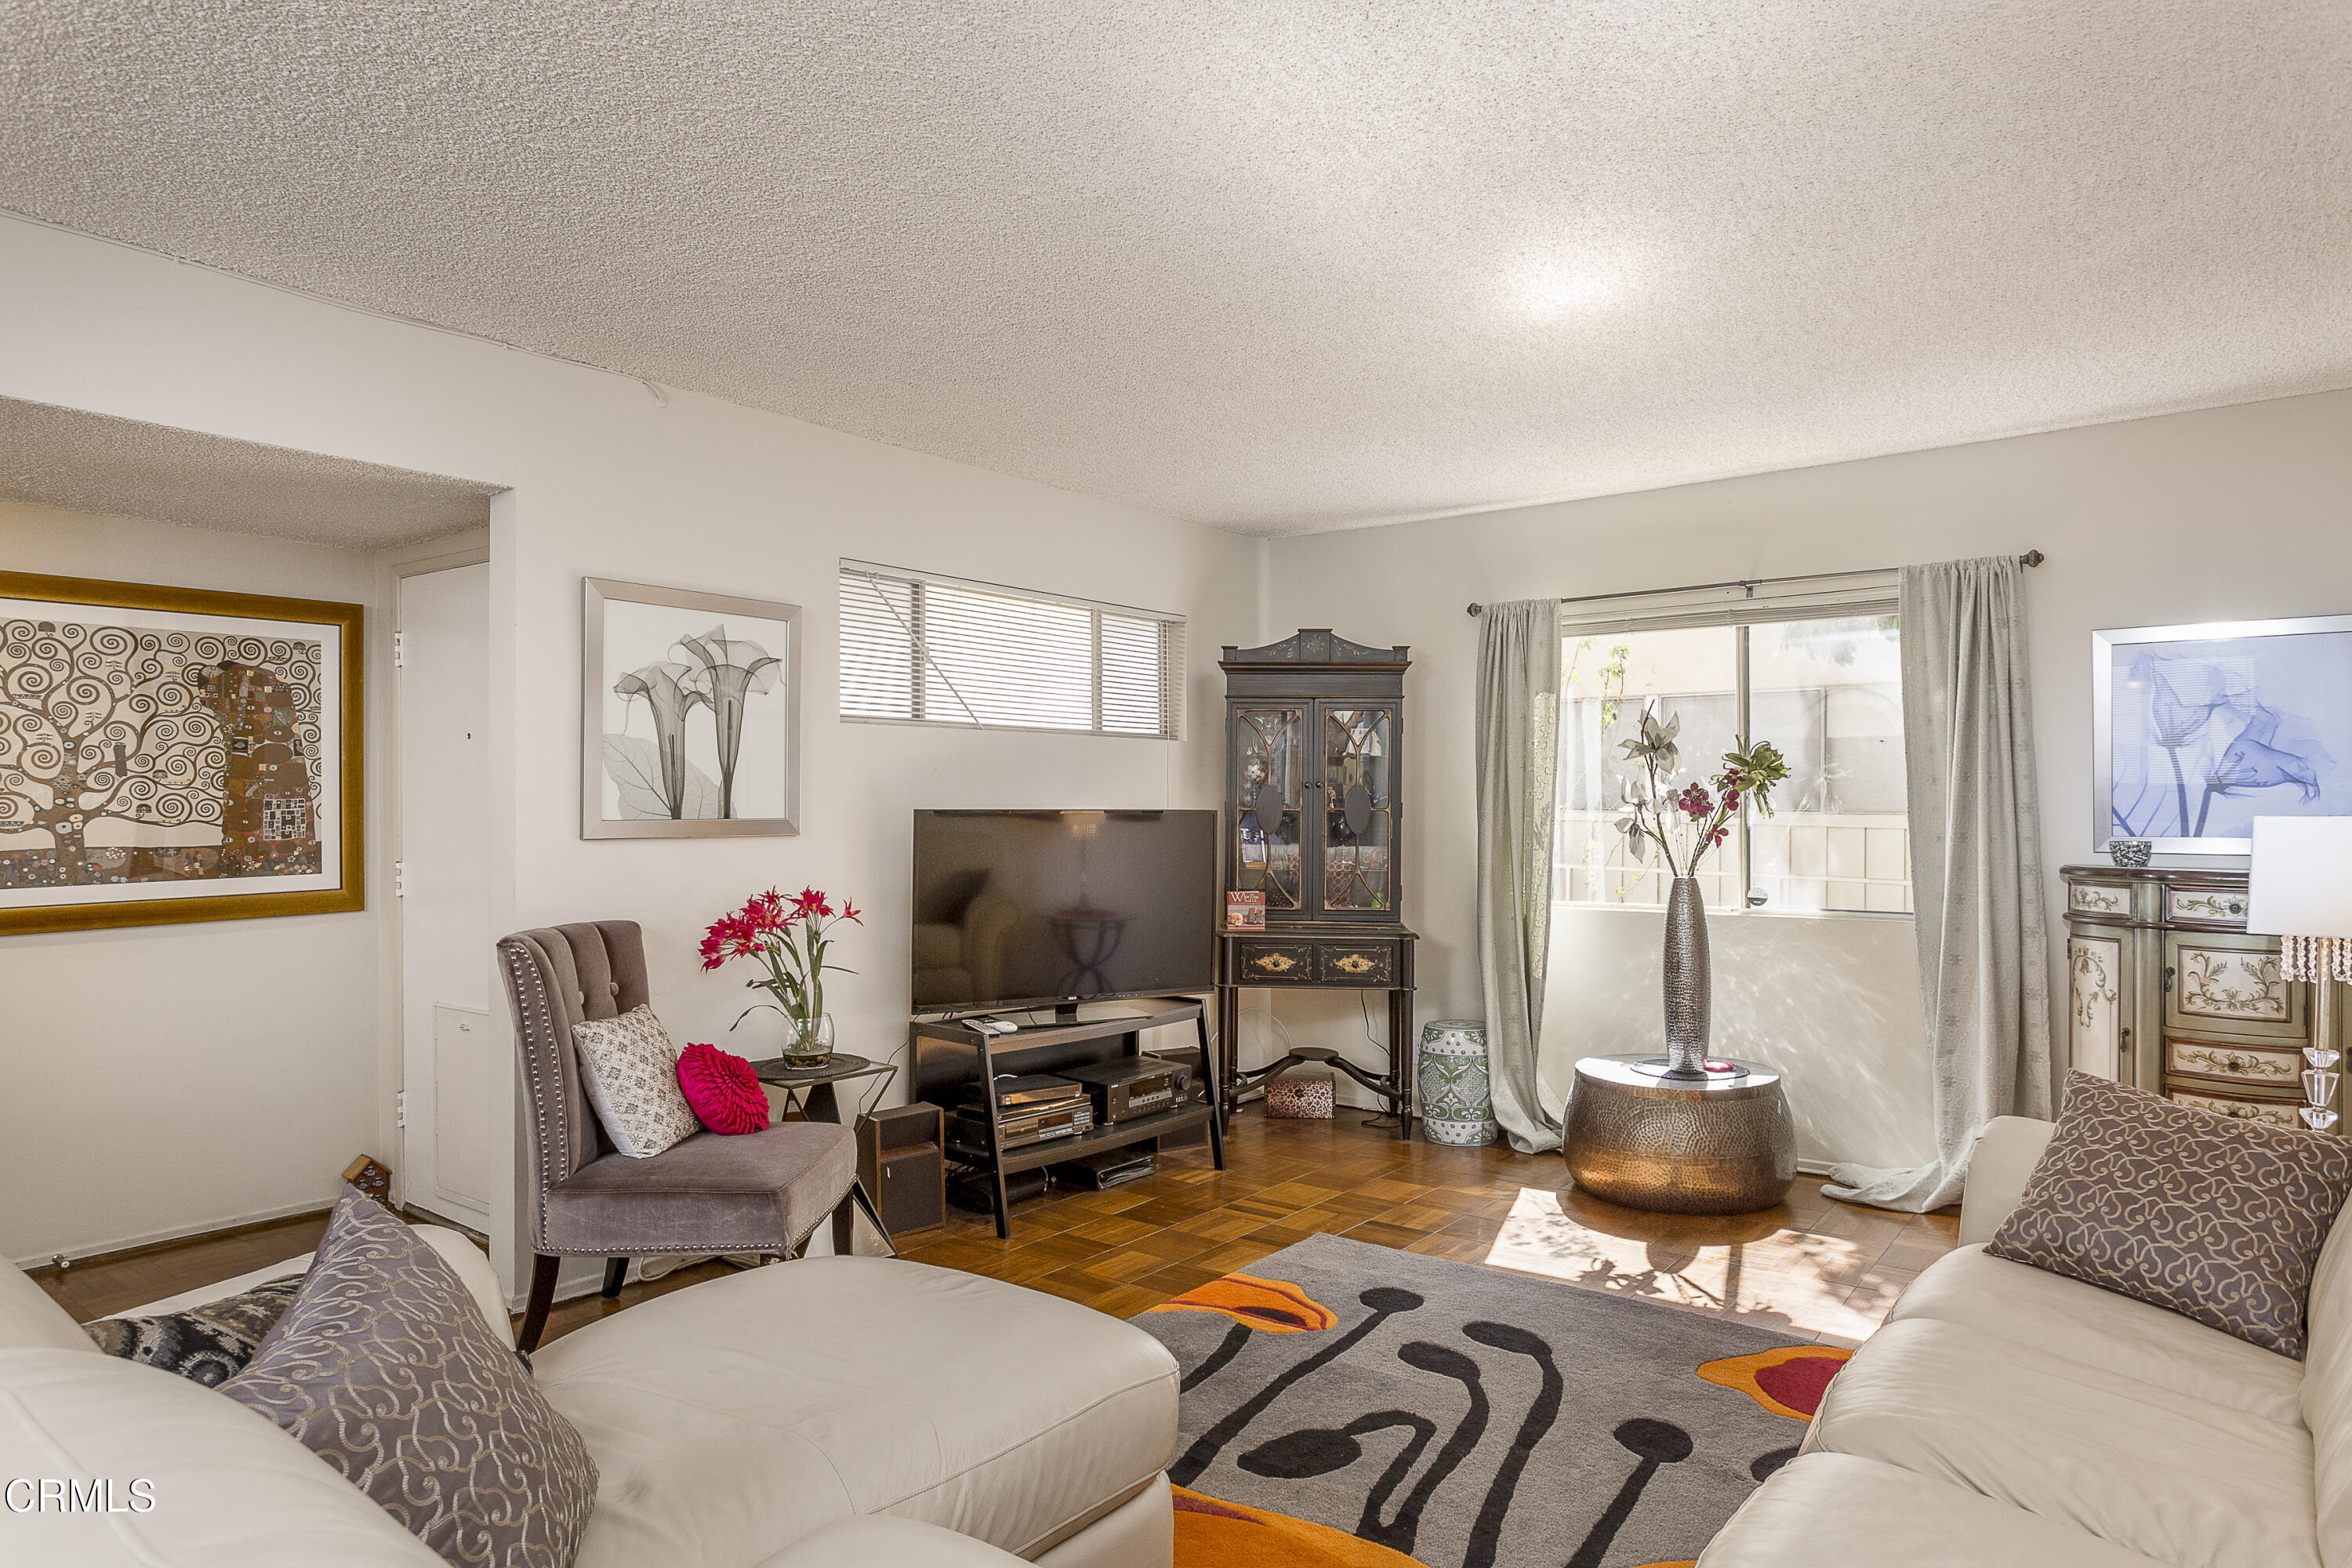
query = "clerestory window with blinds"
x=918 y=648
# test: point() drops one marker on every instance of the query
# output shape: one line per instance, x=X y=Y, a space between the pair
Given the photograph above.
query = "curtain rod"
x=2031 y=558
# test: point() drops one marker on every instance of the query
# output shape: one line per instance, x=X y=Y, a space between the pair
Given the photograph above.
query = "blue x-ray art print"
x=2209 y=733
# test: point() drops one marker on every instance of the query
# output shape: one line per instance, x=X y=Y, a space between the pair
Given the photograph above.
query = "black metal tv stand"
x=950 y=1055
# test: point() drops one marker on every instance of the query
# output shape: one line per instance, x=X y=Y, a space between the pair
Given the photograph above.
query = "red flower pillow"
x=722 y=1090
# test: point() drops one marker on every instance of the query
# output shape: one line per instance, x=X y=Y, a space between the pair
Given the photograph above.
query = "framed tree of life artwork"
x=171 y=755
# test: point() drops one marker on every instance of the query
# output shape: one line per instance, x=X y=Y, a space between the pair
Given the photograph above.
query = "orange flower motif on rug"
x=1789 y=1380
x=1272 y=1305
x=1214 y=1534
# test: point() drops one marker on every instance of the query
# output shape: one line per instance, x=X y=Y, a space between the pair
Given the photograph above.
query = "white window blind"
x=1805 y=599
x=925 y=649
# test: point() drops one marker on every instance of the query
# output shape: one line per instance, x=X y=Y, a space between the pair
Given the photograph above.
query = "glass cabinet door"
x=1269 y=750
x=1359 y=831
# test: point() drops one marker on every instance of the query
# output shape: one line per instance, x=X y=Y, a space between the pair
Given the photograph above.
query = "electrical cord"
x=1216 y=1043
x=873 y=1096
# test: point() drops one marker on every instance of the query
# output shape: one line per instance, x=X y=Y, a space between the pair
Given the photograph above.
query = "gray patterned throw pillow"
x=630 y=1069
x=208 y=1343
x=2217 y=1219
x=383 y=1367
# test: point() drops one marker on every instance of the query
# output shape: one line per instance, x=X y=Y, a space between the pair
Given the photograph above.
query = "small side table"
x=819 y=1103
x=814 y=1085
x=1724 y=1144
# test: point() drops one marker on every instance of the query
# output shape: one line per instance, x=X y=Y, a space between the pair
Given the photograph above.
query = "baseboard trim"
x=44 y=1269
x=416 y=1216
x=156 y=1241
x=1816 y=1167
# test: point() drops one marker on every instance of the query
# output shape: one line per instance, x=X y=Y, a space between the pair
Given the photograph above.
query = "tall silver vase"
x=1687 y=986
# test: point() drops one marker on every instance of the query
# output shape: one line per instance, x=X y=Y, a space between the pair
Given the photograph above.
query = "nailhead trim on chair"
x=539 y=1026
x=538 y=1037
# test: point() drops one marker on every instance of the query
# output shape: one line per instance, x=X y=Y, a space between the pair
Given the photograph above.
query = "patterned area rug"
x=1355 y=1405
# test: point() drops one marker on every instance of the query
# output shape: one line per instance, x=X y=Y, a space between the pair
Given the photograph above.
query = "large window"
x=1826 y=692
x=921 y=649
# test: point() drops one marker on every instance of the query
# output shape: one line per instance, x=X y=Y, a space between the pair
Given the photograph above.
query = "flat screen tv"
x=1032 y=908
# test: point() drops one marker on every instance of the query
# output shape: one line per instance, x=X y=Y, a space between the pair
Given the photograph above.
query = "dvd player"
x=1018 y=1092
x=968 y=1128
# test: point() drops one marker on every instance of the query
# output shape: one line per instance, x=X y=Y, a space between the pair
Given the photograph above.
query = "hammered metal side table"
x=1721 y=1145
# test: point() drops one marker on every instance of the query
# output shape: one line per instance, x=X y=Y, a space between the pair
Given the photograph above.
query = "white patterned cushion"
x=631 y=1071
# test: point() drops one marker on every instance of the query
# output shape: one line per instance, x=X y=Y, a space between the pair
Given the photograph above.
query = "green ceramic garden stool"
x=1456 y=1106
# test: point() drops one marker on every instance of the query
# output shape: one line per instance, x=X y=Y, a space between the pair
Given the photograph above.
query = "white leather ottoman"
x=739 y=1416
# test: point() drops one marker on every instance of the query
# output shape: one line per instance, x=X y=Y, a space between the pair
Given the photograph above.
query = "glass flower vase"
x=808 y=1042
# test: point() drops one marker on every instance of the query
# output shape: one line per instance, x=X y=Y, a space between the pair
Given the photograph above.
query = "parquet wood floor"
x=1811 y=1267
x=112 y=1284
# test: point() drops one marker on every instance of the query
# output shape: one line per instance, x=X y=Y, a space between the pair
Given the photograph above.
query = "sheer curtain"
x=1976 y=868
x=1519 y=770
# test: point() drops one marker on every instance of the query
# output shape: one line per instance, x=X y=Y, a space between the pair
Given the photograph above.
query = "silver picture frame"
x=739 y=677
x=2221 y=762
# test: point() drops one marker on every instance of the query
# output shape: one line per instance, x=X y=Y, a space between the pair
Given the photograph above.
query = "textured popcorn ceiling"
x=1278 y=265
x=125 y=468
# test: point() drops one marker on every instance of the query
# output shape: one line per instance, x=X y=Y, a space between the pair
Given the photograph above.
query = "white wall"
x=610 y=481
x=167 y=1078
x=2225 y=514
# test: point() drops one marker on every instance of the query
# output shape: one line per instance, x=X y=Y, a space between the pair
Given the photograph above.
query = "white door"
x=443 y=699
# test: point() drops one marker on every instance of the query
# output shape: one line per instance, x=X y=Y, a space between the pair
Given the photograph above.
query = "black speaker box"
x=898 y=1160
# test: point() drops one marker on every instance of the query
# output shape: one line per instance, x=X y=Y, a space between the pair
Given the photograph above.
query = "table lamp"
x=2300 y=893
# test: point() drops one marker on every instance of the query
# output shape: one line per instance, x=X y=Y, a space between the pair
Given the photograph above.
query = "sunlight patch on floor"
x=1754 y=1269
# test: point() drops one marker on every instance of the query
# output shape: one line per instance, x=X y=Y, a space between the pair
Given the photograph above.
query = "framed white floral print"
x=689 y=714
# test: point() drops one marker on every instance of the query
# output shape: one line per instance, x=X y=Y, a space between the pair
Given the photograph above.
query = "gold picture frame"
x=212 y=705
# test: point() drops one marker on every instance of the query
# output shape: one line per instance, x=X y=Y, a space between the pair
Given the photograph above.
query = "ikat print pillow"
x=385 y=1368
x=208 y=1343
x=2217 y=1219
x=631 y=1072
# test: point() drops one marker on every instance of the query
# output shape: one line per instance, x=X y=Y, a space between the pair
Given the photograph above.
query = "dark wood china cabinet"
x=1314 y=819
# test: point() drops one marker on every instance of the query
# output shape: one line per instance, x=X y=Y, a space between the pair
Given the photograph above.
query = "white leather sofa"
x=2008 y=1415
x=829 y=1413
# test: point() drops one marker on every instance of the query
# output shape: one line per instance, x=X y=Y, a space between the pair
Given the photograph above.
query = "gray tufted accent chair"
x=761 y=1193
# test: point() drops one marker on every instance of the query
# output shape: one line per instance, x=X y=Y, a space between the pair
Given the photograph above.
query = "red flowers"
x=789 y=937
x=745 y=933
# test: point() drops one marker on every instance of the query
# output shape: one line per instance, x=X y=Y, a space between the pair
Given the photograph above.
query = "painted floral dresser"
x=2166 y=991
